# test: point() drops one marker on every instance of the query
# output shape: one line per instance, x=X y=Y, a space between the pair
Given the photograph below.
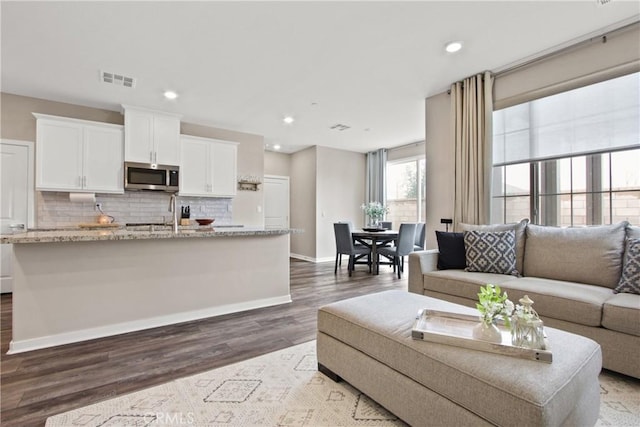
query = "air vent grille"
x=340 y=127
x=117 y=79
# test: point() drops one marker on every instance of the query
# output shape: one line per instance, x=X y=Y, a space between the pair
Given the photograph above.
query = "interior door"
x=276 y=201
x=15 y=183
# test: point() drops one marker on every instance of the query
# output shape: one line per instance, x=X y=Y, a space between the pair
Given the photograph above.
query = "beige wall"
x=17 y=122
x=439 y=165
x=277 y=163
x=303 y=202
x=340 y=193
x=577 y=66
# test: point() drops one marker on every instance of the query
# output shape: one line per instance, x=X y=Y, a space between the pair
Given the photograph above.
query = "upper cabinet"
x=208 y=167
x=78 y=155
x=151 y=136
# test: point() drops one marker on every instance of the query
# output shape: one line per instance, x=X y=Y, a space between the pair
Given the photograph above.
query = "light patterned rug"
x=284 y=389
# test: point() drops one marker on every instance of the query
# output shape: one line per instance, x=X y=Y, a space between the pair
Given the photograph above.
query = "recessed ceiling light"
x=288 y=120
x=276 y=147
x=452 y=47
x=170 y=94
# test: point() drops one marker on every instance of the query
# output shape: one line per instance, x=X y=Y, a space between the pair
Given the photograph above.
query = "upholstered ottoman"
x=367 y=342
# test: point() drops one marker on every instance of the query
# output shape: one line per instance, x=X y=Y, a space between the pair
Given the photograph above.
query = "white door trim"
x=31 y=193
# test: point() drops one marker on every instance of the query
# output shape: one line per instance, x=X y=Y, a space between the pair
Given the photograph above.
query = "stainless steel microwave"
x=144 y=176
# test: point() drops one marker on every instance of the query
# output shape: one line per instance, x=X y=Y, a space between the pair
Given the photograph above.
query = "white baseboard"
x=137 y=325
x=307 y=258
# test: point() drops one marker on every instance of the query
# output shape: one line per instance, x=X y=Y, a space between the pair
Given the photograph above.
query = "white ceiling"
x=245 y=65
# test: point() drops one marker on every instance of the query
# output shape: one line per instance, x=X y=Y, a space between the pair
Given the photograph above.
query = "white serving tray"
x=457 y=329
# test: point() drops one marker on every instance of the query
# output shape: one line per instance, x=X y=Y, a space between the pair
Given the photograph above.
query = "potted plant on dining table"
x=376 y=212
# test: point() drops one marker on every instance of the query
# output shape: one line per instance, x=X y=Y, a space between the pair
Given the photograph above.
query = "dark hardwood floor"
x=38 y=384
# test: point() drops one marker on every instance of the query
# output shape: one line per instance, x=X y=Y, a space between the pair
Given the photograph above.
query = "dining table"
x=374 y=240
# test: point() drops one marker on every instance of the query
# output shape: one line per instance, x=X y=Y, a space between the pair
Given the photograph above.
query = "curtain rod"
x=601 y=36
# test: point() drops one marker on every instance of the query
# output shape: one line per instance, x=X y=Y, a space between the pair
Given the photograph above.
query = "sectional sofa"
x=571 y=274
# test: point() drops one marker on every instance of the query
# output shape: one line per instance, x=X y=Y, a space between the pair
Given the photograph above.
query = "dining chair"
x=387 y=225
x=345 y=246
x=421 y=229
x=403 y=247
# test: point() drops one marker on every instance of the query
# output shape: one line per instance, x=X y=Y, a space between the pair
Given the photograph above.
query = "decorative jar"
x=527 y=330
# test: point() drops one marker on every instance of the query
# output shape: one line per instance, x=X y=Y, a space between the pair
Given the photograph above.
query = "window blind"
x=592 y=119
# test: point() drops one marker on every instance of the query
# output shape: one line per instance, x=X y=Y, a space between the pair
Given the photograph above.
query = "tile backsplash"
x=54 y=209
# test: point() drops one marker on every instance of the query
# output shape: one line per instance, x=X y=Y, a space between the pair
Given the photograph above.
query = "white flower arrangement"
x=375 y=210
x=493 y=304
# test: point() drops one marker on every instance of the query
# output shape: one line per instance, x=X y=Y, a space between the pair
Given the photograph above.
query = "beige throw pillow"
x=591 y=255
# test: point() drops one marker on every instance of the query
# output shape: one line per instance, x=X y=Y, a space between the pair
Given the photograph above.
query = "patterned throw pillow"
x=491 y=251
x=630 y=279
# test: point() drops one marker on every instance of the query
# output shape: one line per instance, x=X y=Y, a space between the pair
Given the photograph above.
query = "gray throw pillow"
x=630 y=279
x=491 y=251
x=518 y=227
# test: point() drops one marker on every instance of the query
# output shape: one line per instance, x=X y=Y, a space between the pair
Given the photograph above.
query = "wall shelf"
x=248 y=185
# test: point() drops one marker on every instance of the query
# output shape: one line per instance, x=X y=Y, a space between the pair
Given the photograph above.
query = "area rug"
x=284 y=389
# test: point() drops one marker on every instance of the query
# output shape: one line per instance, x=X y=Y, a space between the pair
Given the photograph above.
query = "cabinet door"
x=103 y=159
x=167 y=140
x=138 y=127
x=58 y=155
x=194 y=168
x=223 y=169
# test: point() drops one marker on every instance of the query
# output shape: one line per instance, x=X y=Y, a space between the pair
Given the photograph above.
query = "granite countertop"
x=78 y=235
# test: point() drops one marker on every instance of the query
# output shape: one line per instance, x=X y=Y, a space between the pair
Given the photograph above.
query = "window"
x=570 y=159
x=405 y=191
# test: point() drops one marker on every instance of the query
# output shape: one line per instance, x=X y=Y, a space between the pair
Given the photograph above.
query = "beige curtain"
x=471 y=111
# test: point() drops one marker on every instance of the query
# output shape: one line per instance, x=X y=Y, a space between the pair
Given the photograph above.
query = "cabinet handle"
x=84 y=181
x=155 y=157
x=150 y=156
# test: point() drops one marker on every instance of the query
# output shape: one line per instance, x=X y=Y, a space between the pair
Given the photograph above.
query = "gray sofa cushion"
x=591 y=255
x=573 y=302
x=633 y=232
x=460 y=282
x=518 y=227
x=621 y=313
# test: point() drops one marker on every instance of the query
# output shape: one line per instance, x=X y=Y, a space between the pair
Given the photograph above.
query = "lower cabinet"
x=207 y=167
x=78 y=155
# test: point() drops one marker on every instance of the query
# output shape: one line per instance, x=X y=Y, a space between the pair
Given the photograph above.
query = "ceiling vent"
x=117 y=79
x=340 y=127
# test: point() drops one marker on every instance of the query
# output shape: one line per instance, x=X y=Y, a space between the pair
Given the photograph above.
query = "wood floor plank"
x=41 y=383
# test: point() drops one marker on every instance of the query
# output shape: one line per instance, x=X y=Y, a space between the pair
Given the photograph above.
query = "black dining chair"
x=421 y=229
x=403 y=247
x=345 y=246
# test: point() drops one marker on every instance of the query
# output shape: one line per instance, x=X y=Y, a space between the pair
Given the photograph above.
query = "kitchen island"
x=75 y=285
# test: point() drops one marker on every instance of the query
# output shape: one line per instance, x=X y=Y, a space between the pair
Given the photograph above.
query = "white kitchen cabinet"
x=151 y=136
x=208 y=167
x=78 y=155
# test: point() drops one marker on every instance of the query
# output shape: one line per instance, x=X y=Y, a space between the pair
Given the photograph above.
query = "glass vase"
x=487 y=332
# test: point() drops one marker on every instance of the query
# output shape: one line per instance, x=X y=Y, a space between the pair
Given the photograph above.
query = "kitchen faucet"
x=174 y=211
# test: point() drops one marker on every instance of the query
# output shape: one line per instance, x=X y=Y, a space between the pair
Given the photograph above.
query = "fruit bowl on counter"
x=204 y=221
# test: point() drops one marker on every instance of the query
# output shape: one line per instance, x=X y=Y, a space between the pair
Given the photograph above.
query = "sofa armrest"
x=421 y=262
